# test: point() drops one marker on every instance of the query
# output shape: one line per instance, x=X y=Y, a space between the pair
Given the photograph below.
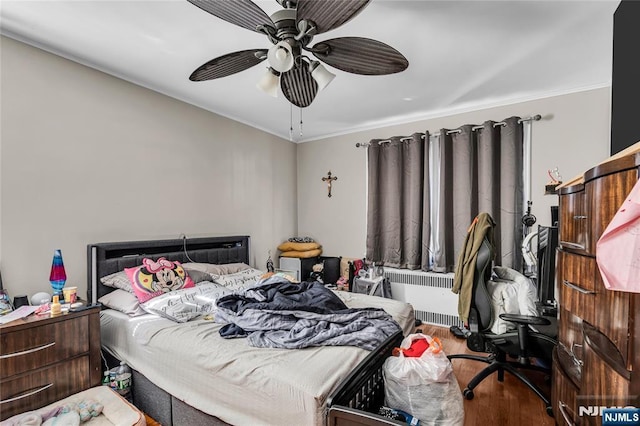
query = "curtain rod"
x=536 y=117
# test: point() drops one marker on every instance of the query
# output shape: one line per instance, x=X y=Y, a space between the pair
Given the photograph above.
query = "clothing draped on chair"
x=482 y=228
x=424 y=193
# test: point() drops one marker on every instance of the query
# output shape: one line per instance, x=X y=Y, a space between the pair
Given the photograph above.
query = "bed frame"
x=106 y=258
x=360 y=394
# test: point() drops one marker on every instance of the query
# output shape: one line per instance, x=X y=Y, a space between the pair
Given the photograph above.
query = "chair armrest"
x=525 y=319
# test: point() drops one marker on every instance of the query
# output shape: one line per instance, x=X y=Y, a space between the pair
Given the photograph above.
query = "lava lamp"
x=58 y=276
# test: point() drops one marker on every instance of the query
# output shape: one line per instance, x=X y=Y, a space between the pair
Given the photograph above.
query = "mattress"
x=231 y=380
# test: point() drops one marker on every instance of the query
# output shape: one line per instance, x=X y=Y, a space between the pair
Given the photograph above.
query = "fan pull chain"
x=300 y=122
x=291 y=122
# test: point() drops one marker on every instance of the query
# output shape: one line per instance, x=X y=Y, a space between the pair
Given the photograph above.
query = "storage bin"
x=116 y=411
x=359 y=397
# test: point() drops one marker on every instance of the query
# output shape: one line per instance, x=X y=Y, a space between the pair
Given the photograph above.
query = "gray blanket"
x=278 y=314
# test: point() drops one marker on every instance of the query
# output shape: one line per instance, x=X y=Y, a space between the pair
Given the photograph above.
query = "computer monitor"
x=554 y=215
x=546 y=255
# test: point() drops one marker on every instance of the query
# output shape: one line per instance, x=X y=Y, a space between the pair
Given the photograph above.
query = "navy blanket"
x=278 y=314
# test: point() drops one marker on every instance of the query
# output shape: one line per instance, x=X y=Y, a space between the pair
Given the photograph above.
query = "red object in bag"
x=417 y=348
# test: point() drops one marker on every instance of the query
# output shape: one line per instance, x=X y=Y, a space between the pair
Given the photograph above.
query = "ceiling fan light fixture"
x=321 y=75
x=269 y=82
x=280 y=56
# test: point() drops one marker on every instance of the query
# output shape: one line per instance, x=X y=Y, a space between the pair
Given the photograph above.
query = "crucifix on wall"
x=329 y=179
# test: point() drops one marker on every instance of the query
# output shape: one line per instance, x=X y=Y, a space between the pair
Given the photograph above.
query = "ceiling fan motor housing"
x=285 y=22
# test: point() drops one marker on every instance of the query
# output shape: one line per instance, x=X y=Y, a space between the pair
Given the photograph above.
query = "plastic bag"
x=424 y=386
x=618 y=249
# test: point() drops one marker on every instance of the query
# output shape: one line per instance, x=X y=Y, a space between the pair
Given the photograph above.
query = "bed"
x=186 y=373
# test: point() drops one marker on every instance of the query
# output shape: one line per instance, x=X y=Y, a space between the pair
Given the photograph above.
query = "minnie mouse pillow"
x=155 y=278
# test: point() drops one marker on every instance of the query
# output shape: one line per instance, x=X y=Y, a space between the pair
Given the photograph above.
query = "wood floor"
x=495 y=403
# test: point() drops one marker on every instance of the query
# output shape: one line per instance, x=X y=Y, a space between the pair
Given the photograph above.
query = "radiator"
x=428 y=292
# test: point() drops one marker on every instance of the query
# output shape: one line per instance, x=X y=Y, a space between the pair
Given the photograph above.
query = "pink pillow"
x=155 y=278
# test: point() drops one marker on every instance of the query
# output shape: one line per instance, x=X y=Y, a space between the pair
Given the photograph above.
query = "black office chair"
x=524 y=343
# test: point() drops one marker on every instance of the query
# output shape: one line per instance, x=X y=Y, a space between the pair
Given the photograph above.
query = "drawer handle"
x=574 y=356
x=577 y=288
x=572 y=245
x=15 y=398
x=28 y=351
x=571 y=353
x=565 y=415
x=580 y=217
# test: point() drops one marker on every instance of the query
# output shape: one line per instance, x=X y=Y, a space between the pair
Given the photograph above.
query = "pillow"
x=291 y=246
x=196 y=275
x=525 y=289
x=122 y=301
x=117 y=280
x=238 y=280
x=210 y=268
x=511 y=293
x=188 y=303
x=154 y=278
x=121 y=281
x=302 y=254
x=504 y=300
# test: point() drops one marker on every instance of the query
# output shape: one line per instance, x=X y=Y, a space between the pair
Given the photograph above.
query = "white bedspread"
x=231 y=380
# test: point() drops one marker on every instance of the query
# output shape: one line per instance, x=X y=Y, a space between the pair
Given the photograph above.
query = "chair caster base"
x=549 y=411
x=468 y=393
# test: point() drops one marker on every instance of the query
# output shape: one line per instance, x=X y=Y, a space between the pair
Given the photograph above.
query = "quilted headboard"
x=106 y=258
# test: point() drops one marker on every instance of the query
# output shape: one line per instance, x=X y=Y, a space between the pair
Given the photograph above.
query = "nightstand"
x=44 y=359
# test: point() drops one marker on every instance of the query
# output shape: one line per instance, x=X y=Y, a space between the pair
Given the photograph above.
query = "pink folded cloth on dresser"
x=618 y=249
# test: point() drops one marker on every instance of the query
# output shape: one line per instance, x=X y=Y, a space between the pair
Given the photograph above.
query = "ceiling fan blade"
x=359 y=55
x=329 y=14
x=298 y=86
x=243 y=13
x=228 y=64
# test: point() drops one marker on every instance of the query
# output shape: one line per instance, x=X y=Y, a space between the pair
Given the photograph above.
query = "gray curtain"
x=483 y=173
x=424 y=194
x=510 y=228
x=396 y=201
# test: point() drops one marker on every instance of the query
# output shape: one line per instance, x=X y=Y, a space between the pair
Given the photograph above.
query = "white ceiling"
x=463 y=55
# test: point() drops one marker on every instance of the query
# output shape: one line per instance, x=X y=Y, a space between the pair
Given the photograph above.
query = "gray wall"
x=573 y=136
x=86 y=158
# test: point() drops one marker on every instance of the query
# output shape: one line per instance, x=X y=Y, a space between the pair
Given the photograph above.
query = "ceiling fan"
x=291 y=31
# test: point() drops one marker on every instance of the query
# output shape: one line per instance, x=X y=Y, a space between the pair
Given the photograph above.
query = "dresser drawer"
x=610 y=191
x=43 y=386
x=619 y=327
x=563 y=396
x=609 y=383
x=36 y=347
x=571 y=342
x=574 y=218
x=577 y=283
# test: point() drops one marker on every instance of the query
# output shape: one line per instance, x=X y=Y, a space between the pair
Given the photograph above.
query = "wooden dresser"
x=597 y=361
x=44 y=359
